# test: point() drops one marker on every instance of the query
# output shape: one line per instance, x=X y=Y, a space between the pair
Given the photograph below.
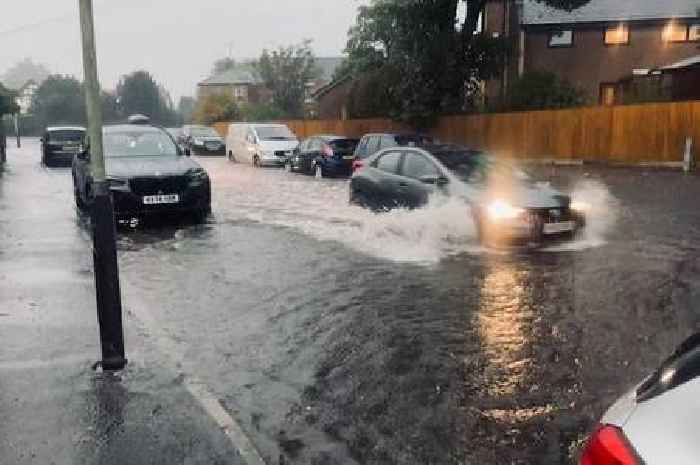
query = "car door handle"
x=403 y=184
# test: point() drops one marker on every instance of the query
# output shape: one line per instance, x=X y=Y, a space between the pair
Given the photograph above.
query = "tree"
x=286 y=72
x=543 y=90
x=8 y=105
x=429 y=60
x=261 y=112
x=139 y=93
x=217 y=107
x=223 y=64
x=186 y=108
x=110 y=108
x=23 y=71
x=59 y=99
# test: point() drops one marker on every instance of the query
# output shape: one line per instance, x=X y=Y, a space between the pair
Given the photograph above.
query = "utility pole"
x=104 y=248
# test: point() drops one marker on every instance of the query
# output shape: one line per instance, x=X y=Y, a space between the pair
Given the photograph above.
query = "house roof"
x=328 y=65
x=240 y=74
x=535 y=12
x=330 y=86
x=687 y=63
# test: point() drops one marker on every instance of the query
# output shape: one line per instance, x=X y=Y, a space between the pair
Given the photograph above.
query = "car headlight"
x=580 y=206
x=198 y=142
x=197 y=177
x=501 y=210
x=268 y=153
x=118 y=184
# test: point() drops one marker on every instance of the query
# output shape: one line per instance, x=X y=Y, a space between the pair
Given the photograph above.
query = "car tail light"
x=327 y=151
x=357 y=164
x=609 y=446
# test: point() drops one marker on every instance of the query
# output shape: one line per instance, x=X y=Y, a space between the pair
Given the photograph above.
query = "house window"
x=694 y=32
x=563 y=38
x=617 y=35
x=675 y=32
x=608 y=94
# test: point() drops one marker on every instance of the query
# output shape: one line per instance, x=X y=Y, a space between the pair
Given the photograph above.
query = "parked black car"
x=147 y=172
x=323 y=155
x=372 y=143
x=60 y=144
x=202 y=140
x=505 y=203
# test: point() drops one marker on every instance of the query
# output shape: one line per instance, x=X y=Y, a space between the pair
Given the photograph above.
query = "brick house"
x=241 y=81
x=598 y=47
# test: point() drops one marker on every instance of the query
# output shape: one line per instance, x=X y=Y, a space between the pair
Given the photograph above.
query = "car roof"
x=398 y=134
x=333 y=137
x=65 y=128
x=132 y=127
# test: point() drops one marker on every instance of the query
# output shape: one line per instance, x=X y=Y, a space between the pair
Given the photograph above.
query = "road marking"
x=198 y=389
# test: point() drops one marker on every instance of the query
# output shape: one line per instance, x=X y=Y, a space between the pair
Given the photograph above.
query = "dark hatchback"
x=323 y=155
x=60 y=144
x=504 y=202
x=202 y=140
x=372 y=143
x=148 y=174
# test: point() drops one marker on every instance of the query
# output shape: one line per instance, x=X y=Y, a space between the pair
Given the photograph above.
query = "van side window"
x=315 y=145
x=361 y=149
x=387 y=141
x=373 y=145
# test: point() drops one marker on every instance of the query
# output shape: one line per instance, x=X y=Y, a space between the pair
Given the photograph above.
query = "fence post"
x=688 y=156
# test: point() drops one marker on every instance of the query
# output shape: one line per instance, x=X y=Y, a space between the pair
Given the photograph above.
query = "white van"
x=260 y=144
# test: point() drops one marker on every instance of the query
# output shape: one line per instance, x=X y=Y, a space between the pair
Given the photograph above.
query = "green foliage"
x=223 y=64
x=60 y=100
x=7 y=101
x=261 y=112
x=111 y=112
x=543 y=90
x=24 y=71
x=286 y=71
x=428 y=62
x=216 y=108
x=139 y=93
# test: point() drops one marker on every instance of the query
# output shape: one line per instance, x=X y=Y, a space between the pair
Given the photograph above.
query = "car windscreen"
x=67 y=135
x=413 y=140
x=204 y=132
x=139 y=143
x=274 y=133
x=477 y=166
x=343 y=145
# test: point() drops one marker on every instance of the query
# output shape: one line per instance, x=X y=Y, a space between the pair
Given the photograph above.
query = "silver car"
x=655 y=423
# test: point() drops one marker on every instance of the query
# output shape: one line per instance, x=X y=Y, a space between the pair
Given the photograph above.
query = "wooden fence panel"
x=624 y=134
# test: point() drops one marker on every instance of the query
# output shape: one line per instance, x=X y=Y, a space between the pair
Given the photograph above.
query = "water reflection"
x=504 y=323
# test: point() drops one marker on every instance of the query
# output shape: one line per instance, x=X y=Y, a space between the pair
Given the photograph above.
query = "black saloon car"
x=323 y=155
x=202 y=140
x=505 y=203
x=147 y=172
x=60 y=144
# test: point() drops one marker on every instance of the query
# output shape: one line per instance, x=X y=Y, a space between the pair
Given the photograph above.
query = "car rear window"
x=343 y=145
x=66 y=136
x=135 y=143
x=413 y=140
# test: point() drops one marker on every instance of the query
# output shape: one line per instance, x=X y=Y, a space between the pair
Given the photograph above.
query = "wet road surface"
x=338 y=336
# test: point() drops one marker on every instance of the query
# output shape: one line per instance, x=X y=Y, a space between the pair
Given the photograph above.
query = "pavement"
x=293 y=328
x=55 y=408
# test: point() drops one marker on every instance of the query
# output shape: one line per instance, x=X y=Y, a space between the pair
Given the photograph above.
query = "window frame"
x=626 y=27
x=551 y=34
x=695 y=26
x=607 y=85
x=409 y=153
x=686 y=38
x=399 y=163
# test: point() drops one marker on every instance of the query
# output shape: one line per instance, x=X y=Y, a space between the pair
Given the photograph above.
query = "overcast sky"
x=176 y=40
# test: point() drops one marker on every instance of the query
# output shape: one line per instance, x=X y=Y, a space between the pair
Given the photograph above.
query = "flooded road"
x=339 y=336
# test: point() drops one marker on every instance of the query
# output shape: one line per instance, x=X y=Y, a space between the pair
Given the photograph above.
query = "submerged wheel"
x=318 y=171
x=256 y=162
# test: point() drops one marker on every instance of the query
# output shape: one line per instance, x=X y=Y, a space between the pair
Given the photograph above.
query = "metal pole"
x=104 y=250
x=19 y=142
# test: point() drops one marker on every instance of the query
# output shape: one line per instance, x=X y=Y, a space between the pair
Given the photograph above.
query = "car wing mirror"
x=84 y=155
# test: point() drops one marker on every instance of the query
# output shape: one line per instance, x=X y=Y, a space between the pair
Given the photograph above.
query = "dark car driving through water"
x=505 y=203
x=147 y=173
x=60 y=144
x=372 y=143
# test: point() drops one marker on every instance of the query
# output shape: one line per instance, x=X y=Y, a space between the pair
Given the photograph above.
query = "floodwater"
x=336 y=335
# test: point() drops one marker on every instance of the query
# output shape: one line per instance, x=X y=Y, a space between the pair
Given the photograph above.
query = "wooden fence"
x=649 y=133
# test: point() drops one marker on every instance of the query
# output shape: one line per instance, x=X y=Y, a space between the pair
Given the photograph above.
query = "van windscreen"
x=274 y=133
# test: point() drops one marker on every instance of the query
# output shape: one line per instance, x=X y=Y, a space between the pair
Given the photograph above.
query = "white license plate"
x=160 y=199
x=348 y=157
x=555 y=228
x=213 y=147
